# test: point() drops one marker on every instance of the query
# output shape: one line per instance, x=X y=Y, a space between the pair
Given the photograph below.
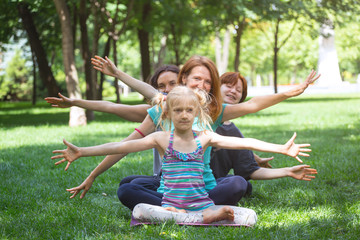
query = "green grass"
x=35 y=205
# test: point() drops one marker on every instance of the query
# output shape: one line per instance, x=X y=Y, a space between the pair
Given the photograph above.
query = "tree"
x=277 y=12
x=77 y=115
x=15 y=84
x=45 y=72
x=142 y=29
x=91 y=86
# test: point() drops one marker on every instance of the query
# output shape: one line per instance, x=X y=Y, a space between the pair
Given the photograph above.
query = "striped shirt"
x=184 y=186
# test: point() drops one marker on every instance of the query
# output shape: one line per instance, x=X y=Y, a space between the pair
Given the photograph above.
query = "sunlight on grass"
x=35 y=205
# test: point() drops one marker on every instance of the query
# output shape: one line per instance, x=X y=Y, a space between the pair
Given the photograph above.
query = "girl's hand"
x=62 y=102
x=312 y=77
x=86 y=185
x=302 y=172
x=70 y=154
x=263 y=162
x=106 y=66
x=293 y=150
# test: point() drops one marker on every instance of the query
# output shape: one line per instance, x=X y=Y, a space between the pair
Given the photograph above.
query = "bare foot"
x=224 y=213
x=173 y=209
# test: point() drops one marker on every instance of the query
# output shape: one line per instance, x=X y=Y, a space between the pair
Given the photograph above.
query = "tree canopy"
x=270 y=39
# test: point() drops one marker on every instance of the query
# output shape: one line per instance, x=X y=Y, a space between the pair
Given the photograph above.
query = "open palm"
x=62 y=102
x=295 y=150
x=70 y=154
x=106 y=66
x=302 y=172
x=312 y=77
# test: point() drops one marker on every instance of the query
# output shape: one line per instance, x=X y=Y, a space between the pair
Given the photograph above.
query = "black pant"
x=142 y=189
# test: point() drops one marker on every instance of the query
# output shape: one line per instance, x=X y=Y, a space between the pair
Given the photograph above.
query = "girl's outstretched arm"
x=299 y=172
x=146 y=127
x=106 y=66
x=134 y=113
x=258 y=103
x=290 y=148
x=72 y=152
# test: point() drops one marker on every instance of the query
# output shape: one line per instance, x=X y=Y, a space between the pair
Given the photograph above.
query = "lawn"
x=35 y=205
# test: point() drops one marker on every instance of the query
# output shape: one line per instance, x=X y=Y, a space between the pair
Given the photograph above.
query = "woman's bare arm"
x=258 y=103
x=106 y=66
x=134 y=113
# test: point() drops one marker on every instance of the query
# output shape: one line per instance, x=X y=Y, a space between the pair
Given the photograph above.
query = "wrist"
x=283 y=150
x=287 y=171
x=74 y=102
x=286 y=95
x=92 y=176
x=119 y=74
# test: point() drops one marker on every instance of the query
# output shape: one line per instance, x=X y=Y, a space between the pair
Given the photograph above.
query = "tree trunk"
x=75 y=16
x=95 y=46
x=45 y=72
x=77 y=115
x=162 y=52
x=222 y=51
x=143 y=36
x=102 y=76
x=276 y=50
x=145 y=54
x=86 y=55
x=176 y=43
x=116 y=84
x=239 y=32
x=34 y=78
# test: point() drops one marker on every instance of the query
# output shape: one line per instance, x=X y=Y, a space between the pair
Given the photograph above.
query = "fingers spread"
x=72 y=190
x=57 y=156
x=61 y=161
x=293 y=137
x=83 y=194
x=67 y=166
x=75 y=193
x=303 y=154
x=297 y=158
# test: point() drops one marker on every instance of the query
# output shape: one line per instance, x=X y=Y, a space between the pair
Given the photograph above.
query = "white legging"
x=150 y=213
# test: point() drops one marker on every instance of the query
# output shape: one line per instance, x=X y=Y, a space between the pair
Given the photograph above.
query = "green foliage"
x=15 y=84
x=190 y=29
x=35 y=205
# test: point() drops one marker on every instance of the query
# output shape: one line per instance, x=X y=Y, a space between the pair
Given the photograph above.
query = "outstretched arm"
x=128 y=145
x=106 y=66
x=290 y=148
x=299 y=172
x=72 y=152
x=146 y=128
x=258 y=103
x=134 y=113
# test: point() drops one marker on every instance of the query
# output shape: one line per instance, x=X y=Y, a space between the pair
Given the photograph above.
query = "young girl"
x=183 y=149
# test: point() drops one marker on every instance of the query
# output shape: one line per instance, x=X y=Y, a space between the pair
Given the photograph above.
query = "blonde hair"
x=198 y=97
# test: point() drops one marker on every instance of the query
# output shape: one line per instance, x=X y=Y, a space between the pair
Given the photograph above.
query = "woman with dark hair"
x=164 y=78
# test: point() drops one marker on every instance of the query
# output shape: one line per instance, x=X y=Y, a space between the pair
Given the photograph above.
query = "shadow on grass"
x=10 y=120
x=43 y=104
x=34 y=185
